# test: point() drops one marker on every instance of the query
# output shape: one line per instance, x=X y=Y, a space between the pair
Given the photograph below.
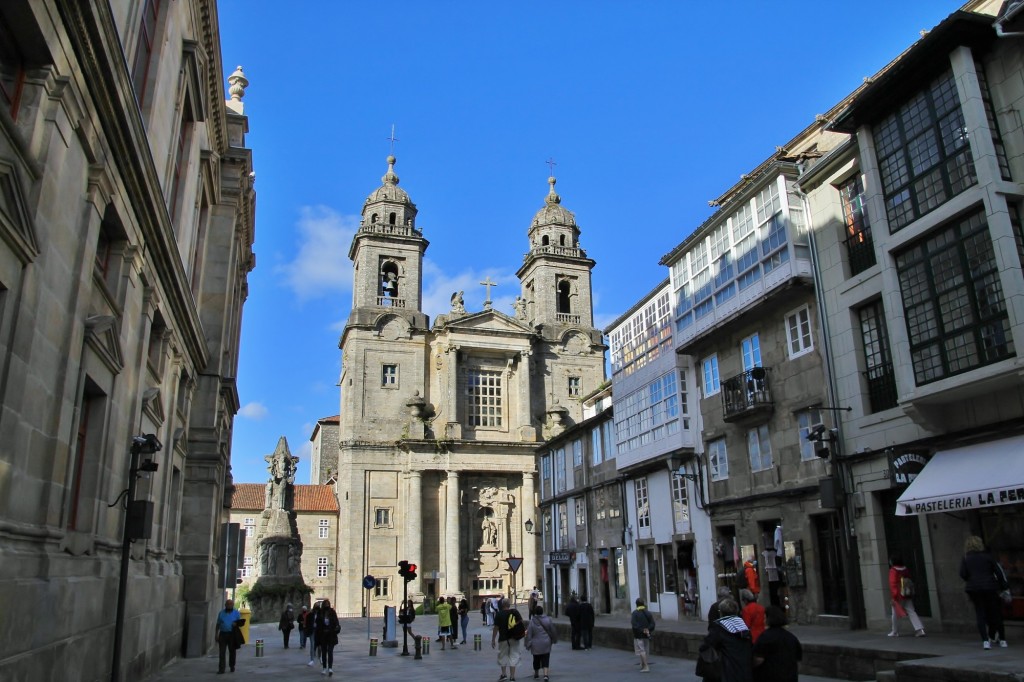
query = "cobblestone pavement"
x=353 y=662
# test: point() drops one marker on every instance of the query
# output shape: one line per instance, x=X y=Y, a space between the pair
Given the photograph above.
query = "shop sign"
x=904 y=467
x=562 y=558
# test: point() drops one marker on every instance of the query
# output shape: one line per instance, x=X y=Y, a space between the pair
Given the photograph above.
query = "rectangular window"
x=643 y=507
x=485 y=401
x=545 y=476
x=650 y=413
x=860 y=249
x=559 y=470
x=563 y=525
x=382 y=588
x=247 y=566
x=680 y=507
x=710 y=375
x=577 y=453
x=581 y=513
x=759 y=447
x=180 y=165
x=595 y=446
x=798 y=331
x=250 y=527
x=382 y=517
x=325 y=528
x=878 y=370
x=321 y=567
x=923 y=155
x=574 y=386
x=144 y=48
x=806 y=420
x=718 y=460
x=953 y=301
x=608 y=439
x=750 y=347
x=389 y=376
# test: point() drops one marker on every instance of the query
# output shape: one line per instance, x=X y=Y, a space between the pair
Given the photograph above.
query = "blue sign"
x=369 y=582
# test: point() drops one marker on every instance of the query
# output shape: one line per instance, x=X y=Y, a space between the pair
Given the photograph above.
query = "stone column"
x=451 y=535
x=414 y=527
x=526 y=430
x=528 y=571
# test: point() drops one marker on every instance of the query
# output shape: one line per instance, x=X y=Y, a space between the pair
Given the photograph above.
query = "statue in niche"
x=489 y=531
x=293 y=560
x=268 y=559
x=519 y=305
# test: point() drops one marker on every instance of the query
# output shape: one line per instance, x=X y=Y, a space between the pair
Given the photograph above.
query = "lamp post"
x=137 y=523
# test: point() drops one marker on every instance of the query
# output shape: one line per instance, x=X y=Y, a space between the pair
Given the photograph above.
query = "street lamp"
x=529 y=527
x=137 y=523
x=696 y=477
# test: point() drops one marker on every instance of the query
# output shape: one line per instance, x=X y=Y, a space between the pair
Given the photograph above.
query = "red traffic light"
x=410 y=574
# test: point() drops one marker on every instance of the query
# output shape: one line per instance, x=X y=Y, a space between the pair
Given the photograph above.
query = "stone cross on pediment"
x=488 y=283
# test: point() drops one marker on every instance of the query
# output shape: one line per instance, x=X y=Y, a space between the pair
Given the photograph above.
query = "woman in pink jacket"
x=901 y=591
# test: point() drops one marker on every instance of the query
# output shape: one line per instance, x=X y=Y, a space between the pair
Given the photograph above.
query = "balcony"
x=552 y=250
x=747 y=397
x=389 y=302
x=389 y=230
x=567 y=318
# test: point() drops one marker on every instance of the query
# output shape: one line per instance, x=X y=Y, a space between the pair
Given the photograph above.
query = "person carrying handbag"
x=327 y=629
x=901 y=593
x=540 y=635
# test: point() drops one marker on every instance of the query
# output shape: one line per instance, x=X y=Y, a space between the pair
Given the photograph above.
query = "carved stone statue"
x=458 y=304
x=293 y=560
x=281 y=465
x=519 y=305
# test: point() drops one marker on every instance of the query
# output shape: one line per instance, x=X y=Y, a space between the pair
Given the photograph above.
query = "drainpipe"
x=851 y=554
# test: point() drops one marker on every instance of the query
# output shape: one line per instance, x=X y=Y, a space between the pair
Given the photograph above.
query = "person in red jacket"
x=902 y=603
x=752 y=614
x=753 y=579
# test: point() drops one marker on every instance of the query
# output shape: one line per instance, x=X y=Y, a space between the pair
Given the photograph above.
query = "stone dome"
x=553 y=213
x=389 y=191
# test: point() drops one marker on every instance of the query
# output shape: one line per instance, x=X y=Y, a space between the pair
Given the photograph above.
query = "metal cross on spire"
x=488 y=283
x=551 y=164
x=393 y=139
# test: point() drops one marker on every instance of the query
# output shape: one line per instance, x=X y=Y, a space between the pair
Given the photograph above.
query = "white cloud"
x=253 y=410
x=438 y=287
x=321 y=265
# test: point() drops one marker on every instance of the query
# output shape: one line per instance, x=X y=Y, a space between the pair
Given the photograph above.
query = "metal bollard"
x=259 y=648
x=477 y=643
x=426 y=645
x=373 y=646
x=418 y=645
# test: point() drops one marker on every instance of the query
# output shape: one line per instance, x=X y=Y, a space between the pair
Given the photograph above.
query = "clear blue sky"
x=650 y=109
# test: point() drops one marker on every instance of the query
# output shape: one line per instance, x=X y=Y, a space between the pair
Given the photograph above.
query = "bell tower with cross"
x=555 y=274
x=387 y=250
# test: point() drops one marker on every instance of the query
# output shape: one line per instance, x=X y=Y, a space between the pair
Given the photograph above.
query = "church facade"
x=439 y=422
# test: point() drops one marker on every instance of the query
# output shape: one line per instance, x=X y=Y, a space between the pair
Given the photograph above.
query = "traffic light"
x=410 y=573
x=403 y=568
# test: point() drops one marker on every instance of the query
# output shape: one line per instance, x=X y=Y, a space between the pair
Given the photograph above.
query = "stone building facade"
x=917 y=229
x=126 y=232
x=439 y=422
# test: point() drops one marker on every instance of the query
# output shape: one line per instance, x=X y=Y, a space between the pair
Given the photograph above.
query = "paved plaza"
x=353 y=662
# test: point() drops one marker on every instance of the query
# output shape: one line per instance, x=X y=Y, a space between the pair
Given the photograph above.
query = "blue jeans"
x=302 y=638
x=464 y=622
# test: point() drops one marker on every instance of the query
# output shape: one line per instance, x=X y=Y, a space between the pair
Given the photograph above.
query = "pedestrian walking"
x=572 y=612
x=540 y=636
x=586 y=624
x=777 y=653
x=984 y=579
x=444 y=622
x=287 y=623
x=464 y=617
x=713 y=612
x=508 y=624
x=901 y=593
x=483 y=611
x=310 y=630
x=300 y=624
x=642 y=623
x=406 y=615
x=729 y=637
x=229 y=634
x=327 y=629
x=752 y=614
x=454 y=637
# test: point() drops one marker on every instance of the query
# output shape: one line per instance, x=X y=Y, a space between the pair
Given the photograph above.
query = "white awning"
x=972 y=477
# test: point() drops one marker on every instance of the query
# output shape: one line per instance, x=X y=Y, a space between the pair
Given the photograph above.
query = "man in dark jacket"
x=777 y=653
x=572 y=612
x=730 y=636
x=586 y=623
x=642 y=623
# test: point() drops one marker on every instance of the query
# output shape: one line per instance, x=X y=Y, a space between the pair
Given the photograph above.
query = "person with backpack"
x=508 y=630
x=642 y=623
x=984 y=578
x=540 y=635
x=901 y=592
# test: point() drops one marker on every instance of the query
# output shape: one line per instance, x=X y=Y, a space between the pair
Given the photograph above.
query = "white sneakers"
x=986 y=645
x=310 y=664
x=919 y=633
x=1003 y=644
x=893 y=634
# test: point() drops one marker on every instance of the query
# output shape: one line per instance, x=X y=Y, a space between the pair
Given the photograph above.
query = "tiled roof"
x=336 y=419
x=317 y=498
x=248 y=496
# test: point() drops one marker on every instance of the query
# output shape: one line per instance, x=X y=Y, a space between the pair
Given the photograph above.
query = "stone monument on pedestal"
x=279 y=580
